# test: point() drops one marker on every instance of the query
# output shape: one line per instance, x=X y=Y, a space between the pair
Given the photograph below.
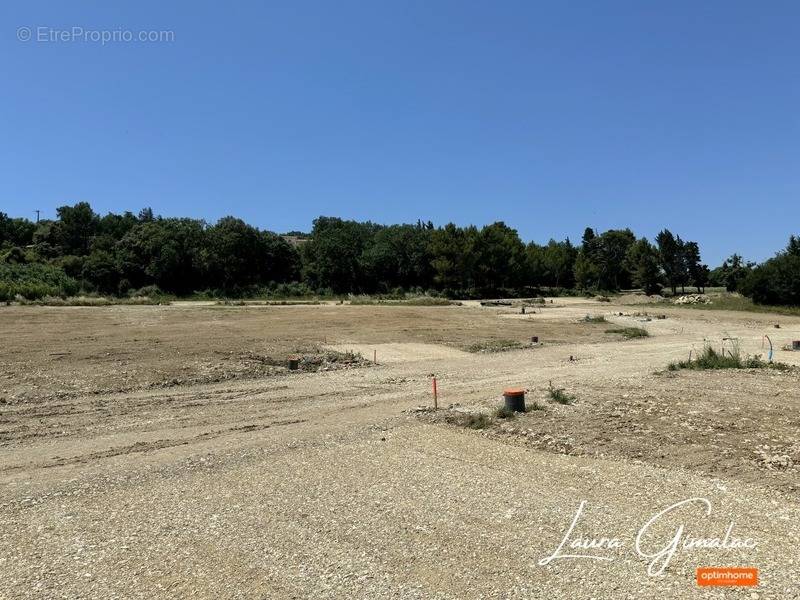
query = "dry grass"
x=629 y=333
x=91 y=301
x=710 y=359
x=559 y=395
x=410 y=301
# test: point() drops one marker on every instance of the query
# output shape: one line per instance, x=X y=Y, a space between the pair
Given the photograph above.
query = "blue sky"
x=550 y=116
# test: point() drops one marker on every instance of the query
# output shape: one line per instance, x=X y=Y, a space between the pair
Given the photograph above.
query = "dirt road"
x=327 y=484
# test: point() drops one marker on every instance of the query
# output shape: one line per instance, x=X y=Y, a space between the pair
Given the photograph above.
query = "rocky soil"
x=329 y=484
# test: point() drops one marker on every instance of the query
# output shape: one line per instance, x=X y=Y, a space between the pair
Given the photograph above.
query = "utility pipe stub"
x=514 y=392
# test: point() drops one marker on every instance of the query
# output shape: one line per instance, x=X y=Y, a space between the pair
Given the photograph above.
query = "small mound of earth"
x=331 y=360
x=394 y=352
x=318 y=360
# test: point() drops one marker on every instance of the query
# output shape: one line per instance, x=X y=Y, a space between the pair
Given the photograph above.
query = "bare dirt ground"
x=78 y=350
x=166 y=452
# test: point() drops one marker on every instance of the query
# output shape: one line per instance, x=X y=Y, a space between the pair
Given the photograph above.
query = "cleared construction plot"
x=169 y=452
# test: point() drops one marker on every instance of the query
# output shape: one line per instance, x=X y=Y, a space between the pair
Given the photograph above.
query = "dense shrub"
x=777 y=281
x=34 y=281
x=14 y=256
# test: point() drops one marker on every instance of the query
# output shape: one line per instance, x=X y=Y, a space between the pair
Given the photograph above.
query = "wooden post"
x=375 y=357
x=435 y=396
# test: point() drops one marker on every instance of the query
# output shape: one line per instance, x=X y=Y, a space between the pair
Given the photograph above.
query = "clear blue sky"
x=550 y=116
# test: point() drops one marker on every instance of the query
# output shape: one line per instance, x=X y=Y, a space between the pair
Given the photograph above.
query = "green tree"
x=553 y=264
x=536 y=268
x=731 y=273
x=453 y=258
x=15 y=232
x=612 y=248
x=283 y=259
x=670 y=258
x=100 y=269
x=71 y=264
x=558 y=263
x=793 y=247
x=776 y=281
x=165 y=252
x=501 y=261
x=585 y=269
x=74 y=229
x=116 y=226
x=331 y=257
x=697 y=273
x=234 y=255
x=601 y=260
x=399 y=256
x=587 y=274
x=643 y=262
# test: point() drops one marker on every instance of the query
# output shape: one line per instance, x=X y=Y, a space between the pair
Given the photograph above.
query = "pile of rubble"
x=693 y=299
x=330 y=360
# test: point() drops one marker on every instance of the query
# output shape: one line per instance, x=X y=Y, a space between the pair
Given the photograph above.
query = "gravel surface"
x=328 y=485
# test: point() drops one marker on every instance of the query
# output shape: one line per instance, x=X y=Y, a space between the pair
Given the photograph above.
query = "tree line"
x=125 y=253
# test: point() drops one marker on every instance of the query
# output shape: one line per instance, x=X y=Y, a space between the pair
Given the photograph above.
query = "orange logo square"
x=728 y=576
